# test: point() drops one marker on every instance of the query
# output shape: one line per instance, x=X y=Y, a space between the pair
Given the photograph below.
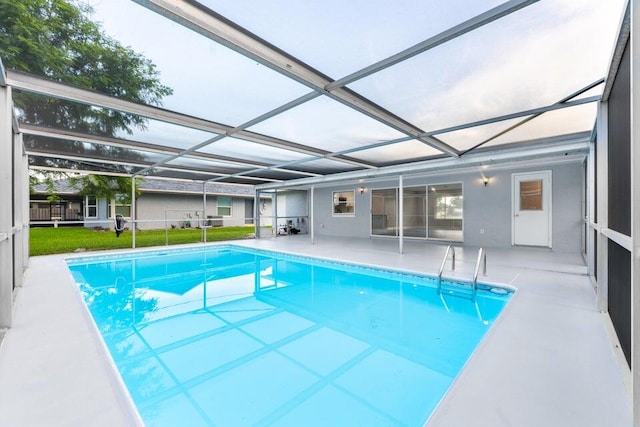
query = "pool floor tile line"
x=438 y=365
x=206 y=376
x=322 y=382
x=183 y=390
x=203 y=335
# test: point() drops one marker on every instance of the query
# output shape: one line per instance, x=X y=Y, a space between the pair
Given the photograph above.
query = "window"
x=449 y=207
x=531 y=195
x=224 y=206
x=119 y=206
x=90 y=207
x=343 y=203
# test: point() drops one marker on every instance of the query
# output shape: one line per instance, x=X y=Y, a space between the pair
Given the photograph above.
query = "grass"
x=46 y=241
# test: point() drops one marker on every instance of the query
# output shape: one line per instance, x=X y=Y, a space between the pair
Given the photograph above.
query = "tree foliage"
x=104 y=187
x=57 y=39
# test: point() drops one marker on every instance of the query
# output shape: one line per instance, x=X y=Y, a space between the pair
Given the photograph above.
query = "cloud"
x=568 y=48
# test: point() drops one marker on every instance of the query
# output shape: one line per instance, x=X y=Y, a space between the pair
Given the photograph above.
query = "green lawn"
x=45 y=241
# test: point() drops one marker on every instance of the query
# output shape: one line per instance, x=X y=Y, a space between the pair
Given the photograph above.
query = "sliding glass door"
x=445 y=209
x=384 y=212
x=415 y=211
x=430 y=211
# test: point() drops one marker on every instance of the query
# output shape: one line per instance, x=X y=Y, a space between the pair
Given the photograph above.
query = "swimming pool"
x=224 y=335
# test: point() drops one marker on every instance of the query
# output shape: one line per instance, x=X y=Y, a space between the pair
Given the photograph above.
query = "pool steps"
x=482 y=258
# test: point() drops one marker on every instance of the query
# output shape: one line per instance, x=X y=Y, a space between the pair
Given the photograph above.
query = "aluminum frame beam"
x=215 y=27
x=6 y=209
x=242 y=127
x=519 y=154
x=635 y=209
x=66 y=135
x=535 y=112
x=107 y=161
x=34 y=84
x=3 y=75
x=624 y=33
x=463 y=28
x=80 y=172
x=563 y=103
x=41 y=131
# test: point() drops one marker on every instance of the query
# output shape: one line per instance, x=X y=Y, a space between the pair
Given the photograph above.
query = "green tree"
x=58 y=40
x=102 y=186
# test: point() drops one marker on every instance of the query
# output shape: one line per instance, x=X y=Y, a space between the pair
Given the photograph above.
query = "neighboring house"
x=161 y=204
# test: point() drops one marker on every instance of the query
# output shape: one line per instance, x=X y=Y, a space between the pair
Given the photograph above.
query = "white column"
x=602 y=208
x=401 y=214
x=6 y=208
x=591 y=209
x=256 y=214
x=275 y=212
x=204 y=211
x=18 y=210
x=204 y=201
x=25 y=205
x=311 y=215
x=635 y=209
x=133 y=211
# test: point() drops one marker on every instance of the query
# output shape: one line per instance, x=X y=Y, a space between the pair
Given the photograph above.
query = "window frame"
x=88 y=206
x=341 y=203
x=218 y=206
x=112 y=206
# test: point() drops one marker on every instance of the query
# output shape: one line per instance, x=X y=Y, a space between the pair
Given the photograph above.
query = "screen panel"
x=619 y=149
x=579 y=119
x=208 y=80
x=326 y=124
x=503 y=67
x=252 y=151
x=465 y=139
x=341 y=37
x=66 y=165
x=61 y=115
x=395 y=153
x=59 y=147
x=619 y=294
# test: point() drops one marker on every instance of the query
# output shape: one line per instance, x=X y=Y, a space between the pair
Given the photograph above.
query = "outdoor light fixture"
x=485 y=180
x=361 y=190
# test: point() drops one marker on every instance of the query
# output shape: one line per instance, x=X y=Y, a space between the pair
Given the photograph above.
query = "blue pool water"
x=230 y=336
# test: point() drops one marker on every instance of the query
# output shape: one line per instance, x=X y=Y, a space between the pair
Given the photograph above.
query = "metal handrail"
x=482 y=256
x=444 y=260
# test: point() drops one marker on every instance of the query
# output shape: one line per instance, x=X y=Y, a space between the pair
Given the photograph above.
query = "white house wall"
x=152 y=209
x=102 y=216
x=485 y=208
x=293 y=206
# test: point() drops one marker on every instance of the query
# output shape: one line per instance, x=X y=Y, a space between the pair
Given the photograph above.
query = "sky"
x=529 y=59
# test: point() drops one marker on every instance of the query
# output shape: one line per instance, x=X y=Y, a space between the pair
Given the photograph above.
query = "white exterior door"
x=531 y=224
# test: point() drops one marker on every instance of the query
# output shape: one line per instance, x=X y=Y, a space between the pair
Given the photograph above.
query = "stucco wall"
x=487 y=210
x=182 y=208
x=293 y=206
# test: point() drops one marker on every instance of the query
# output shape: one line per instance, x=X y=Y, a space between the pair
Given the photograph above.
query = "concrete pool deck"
x=549 y=360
